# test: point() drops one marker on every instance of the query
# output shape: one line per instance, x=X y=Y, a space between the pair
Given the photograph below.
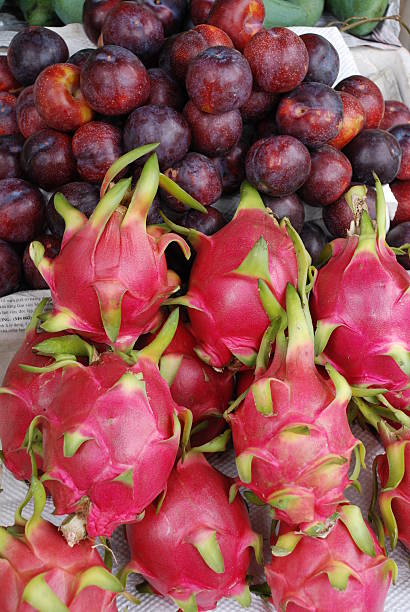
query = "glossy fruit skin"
x=207 y=224
x=338 y=216
x=324 y=61
x=395 y=113
x=219 y=80
x=200 y=10
x=171 y=13
x=135 y=27
x=213 y=135
x=7 y=80
x=354 y=120
x=94 y=14
x=402 y=133
x=164 y=90
x=28 y=119
x=80 y=57
x=82 y=196
x=8 y=118
x=32 y=50
x=114 y=81
x=290 y=207
x=401 y=191
x=162 y=124
x=277 y=166
x=374 y=151
x=96 y=146
x=314 y=240
x=397 y=236
x=231 y=166
x=10 y=151
x=240 y=19
x=10 y=269
x=197 y=175
x=259 y=105
x=369 y=95
x=47 y=159
x=330 y=176
x=313 y=113
x=58 y=98
x=22 y=210
x=31 y=275
x=278 y=59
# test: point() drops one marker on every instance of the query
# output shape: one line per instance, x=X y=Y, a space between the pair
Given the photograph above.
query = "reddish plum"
x=353 y=121
x=94 y=14
x=82 y=196
x=171 y=13
x=165 y=91
x=8 y=117
x=10 y=269
x=338 y=217
x=324 y=61
x=240 y=19
x=313 y=113
x=114 y=81
x=7 y=80
x=401 y=191
x=47 y=159
x=207 y=224
x=374 y=151
x=213 y=135
x=80 y=57
x=314 y=239
x=32 y=276
x=215 y=37
x=395 y=113
x=278 y=165
x=200 y=10
x=96 y=146
x=32 y=50
x=135 y=27
x=10 y=151
x=402 y=133
x=232 y=167
x=289 y=206
x=199 y=176
x=28 y=119
x=159 y=124
x=397 y=237
x=368 y=94
x=259 y=105
x=219 y=80
x=278 y=59
x=330 y=176
x=22 y=210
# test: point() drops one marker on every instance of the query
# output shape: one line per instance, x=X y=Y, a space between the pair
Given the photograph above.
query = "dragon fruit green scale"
x=111 y=277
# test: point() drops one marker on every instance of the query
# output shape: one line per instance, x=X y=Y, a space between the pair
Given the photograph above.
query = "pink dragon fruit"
x=347 y=570
x=291 y=436
x=206 y=537
x=111 y=277
x=361 y=306
x=237 y=271
x=39 y=571
x=110 y=439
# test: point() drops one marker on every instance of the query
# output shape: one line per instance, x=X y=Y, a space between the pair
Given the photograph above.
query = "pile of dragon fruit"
x=121 y=393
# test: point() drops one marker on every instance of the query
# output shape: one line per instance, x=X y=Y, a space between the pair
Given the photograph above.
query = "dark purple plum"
x=314 y=240
x=374 y=151
x=197 y=175
x=161 y=124
x=135 y=27
x=96 y=146
x=82 y=196
x=165 y=91
x=259 y=105
x=324 y=61
x=32 y=276
x=313 y=113
x=22 y=210
x=232 y=167
x=338 y=216
x=10 y=151
x=164 y=58
x=213 y=135
x=10 y=269
x=28 y=117
x=80 y=57
x=47 y=159
x=188 y=45
x=32 y=50
x=114 y=81
x=207 y=224
x=94 y=14
x=266 y=128
x=289 y=206
x=171 y=13
x=402 y=133
x=219 y=80
x=397 y=237
x=200 y=10
x=401 y=191
x=330 y=176
x=8 y=118
x=277 y=166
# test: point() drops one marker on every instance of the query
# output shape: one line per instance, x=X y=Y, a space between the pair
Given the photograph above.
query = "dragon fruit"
x=207 y=538
x=347 y=570
x=111 y=277
x=238 y=269
x=110 y=439
x=39 y=571
x=361 y=306
x=291 y=436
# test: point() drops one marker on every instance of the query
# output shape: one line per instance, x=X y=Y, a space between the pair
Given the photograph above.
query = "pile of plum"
x=226 y=99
